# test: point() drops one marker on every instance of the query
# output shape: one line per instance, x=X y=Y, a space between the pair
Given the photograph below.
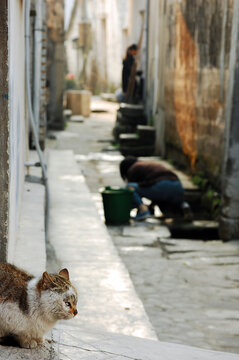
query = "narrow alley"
x=83 y=85
x=189 y=288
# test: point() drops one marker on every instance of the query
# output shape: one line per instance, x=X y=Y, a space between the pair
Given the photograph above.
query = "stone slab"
x=70 y=343
x=147 y=231
x=107 y=298
x=98 y=346
x=77 y=118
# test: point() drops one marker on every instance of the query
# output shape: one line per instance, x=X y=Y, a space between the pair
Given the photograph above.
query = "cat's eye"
x=68 y=304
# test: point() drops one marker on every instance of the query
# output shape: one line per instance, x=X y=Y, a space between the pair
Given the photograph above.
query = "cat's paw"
x=30 y=343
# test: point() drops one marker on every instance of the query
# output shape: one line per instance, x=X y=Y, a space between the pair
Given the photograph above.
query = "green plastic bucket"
x=117 y=204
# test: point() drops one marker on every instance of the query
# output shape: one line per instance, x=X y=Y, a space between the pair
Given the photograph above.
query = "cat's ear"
x=65 y=274
x=46 y=278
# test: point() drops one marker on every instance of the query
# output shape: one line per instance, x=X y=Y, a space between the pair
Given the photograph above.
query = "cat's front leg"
x=29 y=343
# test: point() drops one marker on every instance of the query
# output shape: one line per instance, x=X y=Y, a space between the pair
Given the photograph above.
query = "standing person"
x=155 y=182
x=128 y=61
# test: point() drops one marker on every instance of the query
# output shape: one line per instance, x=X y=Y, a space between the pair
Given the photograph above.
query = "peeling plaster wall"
x=197 y=36
x=17 y=124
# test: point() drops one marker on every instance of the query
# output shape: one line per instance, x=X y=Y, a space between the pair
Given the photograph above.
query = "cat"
x=30 y=306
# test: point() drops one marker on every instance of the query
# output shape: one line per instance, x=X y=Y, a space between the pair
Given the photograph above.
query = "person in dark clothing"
x=127 y=65
x=153 y=181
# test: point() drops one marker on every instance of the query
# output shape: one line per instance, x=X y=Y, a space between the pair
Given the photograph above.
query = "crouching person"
x=153 y=181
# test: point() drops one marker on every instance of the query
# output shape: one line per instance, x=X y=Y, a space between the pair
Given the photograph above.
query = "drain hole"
x=203 y=230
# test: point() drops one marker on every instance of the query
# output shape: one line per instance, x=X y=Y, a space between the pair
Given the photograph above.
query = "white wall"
x=17 y=116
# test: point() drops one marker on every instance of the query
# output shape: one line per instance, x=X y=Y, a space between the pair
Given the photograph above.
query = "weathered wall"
x=4 y=138
x=229 y=221
x=55 y=62
x=17 y=124
x=197 y=49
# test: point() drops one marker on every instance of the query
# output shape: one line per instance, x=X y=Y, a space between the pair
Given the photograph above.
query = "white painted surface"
x=17 y=116
x=30 y=250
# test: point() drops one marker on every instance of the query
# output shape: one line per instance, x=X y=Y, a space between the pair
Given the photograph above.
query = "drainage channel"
x=198 y=230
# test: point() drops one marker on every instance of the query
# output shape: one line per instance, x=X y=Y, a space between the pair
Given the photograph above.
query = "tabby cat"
x=30 y=306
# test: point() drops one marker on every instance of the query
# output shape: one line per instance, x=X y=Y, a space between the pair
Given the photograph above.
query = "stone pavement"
x=181 y=303
x=189 y=287
x=109 y=308
x=112 y=323
x=107 y=299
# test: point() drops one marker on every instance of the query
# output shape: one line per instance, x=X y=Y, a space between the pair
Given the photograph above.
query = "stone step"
x=131 y=120
x=143 y=150
x=134 y=140
x=121 y=129
x=131 y=110
x=146 y=132
x=129 y=140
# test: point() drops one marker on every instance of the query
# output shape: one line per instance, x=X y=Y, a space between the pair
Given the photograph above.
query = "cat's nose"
x=75 y=312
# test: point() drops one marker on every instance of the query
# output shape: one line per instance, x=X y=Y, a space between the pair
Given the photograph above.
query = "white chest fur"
x=33 y=322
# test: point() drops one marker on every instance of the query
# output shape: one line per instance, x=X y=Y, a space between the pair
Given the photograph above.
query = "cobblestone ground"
x=190 y=288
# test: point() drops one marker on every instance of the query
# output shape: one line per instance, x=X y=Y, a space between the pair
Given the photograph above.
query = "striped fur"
x=30 y=306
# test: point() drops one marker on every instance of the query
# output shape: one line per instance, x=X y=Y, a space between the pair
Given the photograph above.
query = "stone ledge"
x=84 y=343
